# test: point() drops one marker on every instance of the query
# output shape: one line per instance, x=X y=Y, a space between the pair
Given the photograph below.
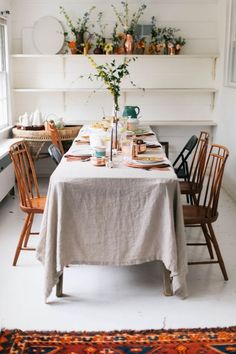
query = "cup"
x=126 y=147
x=99 y=151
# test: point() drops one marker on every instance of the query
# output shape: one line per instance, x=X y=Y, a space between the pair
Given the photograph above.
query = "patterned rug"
x=182 y=341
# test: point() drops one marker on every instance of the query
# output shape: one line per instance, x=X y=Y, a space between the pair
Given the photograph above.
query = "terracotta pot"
x=119 y=50
x=72 y=46
x=159 y=49
x=98 y=50
x=171 y=51
x=129 y=44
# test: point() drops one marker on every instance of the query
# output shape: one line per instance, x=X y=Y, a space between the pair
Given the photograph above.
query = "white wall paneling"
x=196 y=19
x=180 y=90
x=167 y=87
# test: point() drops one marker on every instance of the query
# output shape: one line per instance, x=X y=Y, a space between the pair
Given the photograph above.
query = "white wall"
x=198 y=21
x=226 y=127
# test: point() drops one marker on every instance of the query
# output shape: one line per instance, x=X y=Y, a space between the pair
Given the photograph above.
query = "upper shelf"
x=181 y=56
x=161 y=90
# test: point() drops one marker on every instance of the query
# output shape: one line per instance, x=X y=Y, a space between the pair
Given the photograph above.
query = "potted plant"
x=156 y=44
x=168 y=38
x=78 y=31
x=129 y=23
x=140 y=46
x=100 y=36
x=179 y=42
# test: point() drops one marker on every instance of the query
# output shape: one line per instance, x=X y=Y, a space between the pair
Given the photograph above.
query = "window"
x=4 y=93
x=232 y=47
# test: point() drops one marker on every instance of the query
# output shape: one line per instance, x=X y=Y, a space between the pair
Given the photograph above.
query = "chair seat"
x=181 y=173
x=38 y=205
x=189 y=187
x=194 y=214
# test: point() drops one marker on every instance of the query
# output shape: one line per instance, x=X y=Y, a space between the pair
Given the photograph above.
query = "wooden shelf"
x=181 y=56
x=181 y=123
x=161 y=90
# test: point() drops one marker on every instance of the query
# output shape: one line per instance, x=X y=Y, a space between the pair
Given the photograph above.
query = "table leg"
x=167 y=282
x=59 y=286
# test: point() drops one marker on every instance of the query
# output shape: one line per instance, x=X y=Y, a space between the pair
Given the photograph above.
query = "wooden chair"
x=205 y=212
x=55 y=136
x=193 y=186
x=181 y=162
x=31 y=202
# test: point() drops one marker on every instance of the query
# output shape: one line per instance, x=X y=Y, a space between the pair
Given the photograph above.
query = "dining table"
x=125 y=215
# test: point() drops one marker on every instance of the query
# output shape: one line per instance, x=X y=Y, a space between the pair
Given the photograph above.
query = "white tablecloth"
x=118 y=216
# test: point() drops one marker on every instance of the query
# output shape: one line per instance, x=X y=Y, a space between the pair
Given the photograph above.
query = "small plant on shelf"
x=156 y=44
x=100 y=36
x=128 y=24
x=80 y=30
x=179 y=42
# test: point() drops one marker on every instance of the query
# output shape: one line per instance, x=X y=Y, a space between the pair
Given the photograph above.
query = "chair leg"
x=218 y=253
x=27 y=235
x=187 y=198
x=208 y=240
x=26 y=227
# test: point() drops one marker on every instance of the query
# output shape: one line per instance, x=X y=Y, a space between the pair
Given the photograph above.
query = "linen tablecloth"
x=118 y=216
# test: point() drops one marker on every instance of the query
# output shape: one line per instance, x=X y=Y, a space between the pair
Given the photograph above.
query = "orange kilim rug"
x=182 y=341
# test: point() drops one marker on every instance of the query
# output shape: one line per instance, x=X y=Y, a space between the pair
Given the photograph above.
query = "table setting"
x=95 y=144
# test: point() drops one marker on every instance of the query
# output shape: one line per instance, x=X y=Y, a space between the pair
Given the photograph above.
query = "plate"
x=48 y=35
x=148 y=160
x=147 y=166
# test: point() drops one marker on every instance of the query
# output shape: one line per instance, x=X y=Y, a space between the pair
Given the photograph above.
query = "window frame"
x=231 y=43
x=6 y=86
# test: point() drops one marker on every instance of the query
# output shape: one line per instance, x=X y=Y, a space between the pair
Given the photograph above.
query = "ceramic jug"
x=37 y=118
x=25 y=120
x=131 y=111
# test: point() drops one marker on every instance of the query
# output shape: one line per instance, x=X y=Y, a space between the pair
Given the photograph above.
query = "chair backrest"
x=55 y=136
x=199 y=159
x=25 y=173
x=55 y=153
x=213 y=174
x=181 y=162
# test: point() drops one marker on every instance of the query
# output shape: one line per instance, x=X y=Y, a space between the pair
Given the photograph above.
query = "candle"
x=116 y=141
x=111 y=143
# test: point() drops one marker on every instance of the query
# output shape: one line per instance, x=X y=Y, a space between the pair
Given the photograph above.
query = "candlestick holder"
x=110 y=164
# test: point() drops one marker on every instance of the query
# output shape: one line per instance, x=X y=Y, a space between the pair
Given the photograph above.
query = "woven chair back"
x=55 y=136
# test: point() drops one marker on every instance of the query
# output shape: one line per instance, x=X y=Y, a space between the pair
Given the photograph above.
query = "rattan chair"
x=55 y=136
x=181 y=162
x=55 y=153
x=193 y=186
x=31 y=202
x=205 y=212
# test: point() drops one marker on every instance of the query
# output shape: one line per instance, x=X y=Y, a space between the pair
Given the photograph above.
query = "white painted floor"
x=108 y=298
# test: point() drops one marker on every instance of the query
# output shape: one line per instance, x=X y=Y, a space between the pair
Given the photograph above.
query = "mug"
x=131 y=111
x=132 y=123
x=100 y=151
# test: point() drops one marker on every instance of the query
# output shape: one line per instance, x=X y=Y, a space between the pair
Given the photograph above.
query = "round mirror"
x=48 y=35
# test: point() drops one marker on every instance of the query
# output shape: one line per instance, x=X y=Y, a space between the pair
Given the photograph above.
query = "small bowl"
x=98 y=161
